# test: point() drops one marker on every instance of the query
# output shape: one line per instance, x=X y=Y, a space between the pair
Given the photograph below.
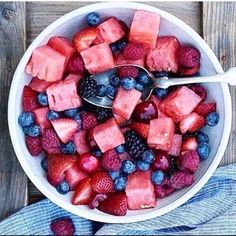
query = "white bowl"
x=170 y=25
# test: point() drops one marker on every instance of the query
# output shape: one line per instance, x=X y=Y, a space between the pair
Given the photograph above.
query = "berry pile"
x=128 y=156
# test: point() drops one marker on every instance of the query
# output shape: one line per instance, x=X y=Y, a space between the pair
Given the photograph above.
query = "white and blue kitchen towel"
x=212 y=211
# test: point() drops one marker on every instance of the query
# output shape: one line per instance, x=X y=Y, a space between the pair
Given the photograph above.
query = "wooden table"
x=21 y=22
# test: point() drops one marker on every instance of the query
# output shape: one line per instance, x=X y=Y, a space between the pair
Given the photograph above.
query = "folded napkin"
x=211 y=211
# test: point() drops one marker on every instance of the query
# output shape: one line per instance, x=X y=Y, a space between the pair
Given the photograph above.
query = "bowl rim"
x=89 y=214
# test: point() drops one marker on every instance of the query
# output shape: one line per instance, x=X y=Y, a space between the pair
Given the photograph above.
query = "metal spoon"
x=162 y=82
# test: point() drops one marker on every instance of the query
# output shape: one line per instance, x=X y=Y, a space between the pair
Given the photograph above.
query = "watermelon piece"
x=125 y=102
x=119 y=119
x=161 y=133
x=179 y=103
x=157 y=101
x=176 y=145
x=41 y=119
x=39 y=85
x=98 y=58
x=121 y=60
x=80 y=142
x=140 y=191
x=108 y=135
x=46 y=64
x=145 y=28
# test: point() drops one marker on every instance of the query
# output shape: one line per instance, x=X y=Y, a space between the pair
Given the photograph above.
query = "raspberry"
x=33 y=145
x=128 y=71
x=62 y=226
x=200 y=91
x=204 y=109
x=89 y=120
x=50 y=141
x=111 y=160
x=180 y=180
x=76 y=65
x=134 y=51
x=164 y=189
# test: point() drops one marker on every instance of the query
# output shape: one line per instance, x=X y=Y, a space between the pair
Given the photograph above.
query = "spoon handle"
x=227 y=77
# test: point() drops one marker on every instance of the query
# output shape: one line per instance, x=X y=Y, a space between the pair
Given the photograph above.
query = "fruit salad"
x=135 y=153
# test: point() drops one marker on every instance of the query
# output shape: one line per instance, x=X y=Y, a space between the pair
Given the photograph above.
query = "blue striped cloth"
x=211 y=211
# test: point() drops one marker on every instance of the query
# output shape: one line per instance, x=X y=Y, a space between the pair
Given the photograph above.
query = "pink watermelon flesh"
x=176 y=145
x=80 y=142
x=39 y=85
x=41 y=119
x=121 y=60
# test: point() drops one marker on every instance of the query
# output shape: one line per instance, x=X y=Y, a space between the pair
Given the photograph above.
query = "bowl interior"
x=169 y=26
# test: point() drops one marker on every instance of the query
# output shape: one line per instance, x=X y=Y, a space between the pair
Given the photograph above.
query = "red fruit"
x=101 y=182
x=50 y=141
x=115 y=204
x=164 y=189
x=134 y=51
x=180 y=180
x=33 y=145
x=162 y=161
x=140 y=128
x=62 y=226
x=145 y=111
x=204 y=109
x=188 y=57
x=90 y=139
x=176 y=145
x=80 y=142
x=84 y=38
x=189 y=143
x=124 y=27
x=188 y=161
x=89 y=120
x=111 y=160
x=76 y=65
x=41 y=119
x=30 y=101
x=88 y=163
x=189 y=72
x=96 y=200
x=119 y=120
x=39 y=85
x=121 y=60
x=83 y=192
x=200 y=91
x=128 y=71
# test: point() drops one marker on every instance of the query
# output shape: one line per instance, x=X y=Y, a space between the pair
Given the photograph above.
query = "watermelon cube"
x=121 y=60
x=140 y=191
x=161 y=133
x=108 y=135
x=179 y=103
x=63 y=95
x=80 y=142
x=125 y=102
x=176 y=145
x=119 y=119
x=46 y=64
x=163 y=57
x=62 y=45
x=145 y=28
x=41 y=119
x=39 y=85
x=98 y=58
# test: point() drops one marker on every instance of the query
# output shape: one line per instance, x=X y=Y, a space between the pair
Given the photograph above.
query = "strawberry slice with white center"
x=189 y=144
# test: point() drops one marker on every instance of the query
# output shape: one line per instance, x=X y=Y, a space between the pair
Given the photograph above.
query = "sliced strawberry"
x=204 y=108
x=83 y=192
x=141 y=128
x=189 y=143
x=84 y=38
x=189 y=72
x=97 y=198
x=30 y=101
x=41 y=119
x=65 y=128
x=39 y=85
x=33 y=145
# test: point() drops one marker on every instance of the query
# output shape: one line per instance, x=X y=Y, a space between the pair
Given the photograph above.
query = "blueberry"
x=203 y=150
x=121 y=43
x=143 y=165
x=128 y=167
x=160 y=92
x=97 y=153
x=128 y=83
x=120 y=149
x=114 y=174
x=26 y=119
x=63 y=187
x=148 y=156
x=77 y=117
x=212 y=119
x=158 y=74
x=202 y=137
x=157 y=177
x=52 y=115
x=68 y=148
x=139 y=87
x=114 y=47
x=115 y=80
x=71 y=112
x=93 y=19
x=101 y=90
x=143 y=78
x=32 y=130
x=44 y=164
x=120 y=183
x=43 y=99
x=111 y=91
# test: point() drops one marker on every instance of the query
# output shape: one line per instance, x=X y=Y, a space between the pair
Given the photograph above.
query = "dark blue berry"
x=120 y=149
x=121 y=43
x=26 y=119
x=63 y=187
x=148 y=156
x=212 y=119
x=43 y=99
x=44 y=164
x=114 y=174
x=97 y=153
x=128 y=83
x=115 y=80
x=101 y=90
x=160 y=92
x=52 y=115
x=128 y=166
x=120 y=183
x=68 y=148
x=202 y=137
x=157 y=177
x=71 y=112
x=77 y=117
x=203 y=150
x=114 y=47
x=93 y=19
x=111 y=91
x=158 y=74
x=143 y=165
x=139 y=87
x=143 y=78
x=32 y=130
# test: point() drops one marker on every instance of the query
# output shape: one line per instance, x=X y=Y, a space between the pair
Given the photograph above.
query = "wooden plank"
x=219 y=29
x=13 y=181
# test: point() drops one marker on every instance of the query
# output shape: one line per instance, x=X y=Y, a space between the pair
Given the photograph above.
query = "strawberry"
x=191 y=123
x=84 y=38
x=33 y=145
x=111 y=160
x=97 y=198
x=76 y=65
x=65 y=128
x=141 y=128
x=204 y=109
x=114 y=204
x=30 y=101
x=89 y=120
x=190 y=143
x=134 y=51
x=128 y=71
x=83 y=192
x=180 y=180
x=62 y=226
x=50 y=141
x=101 y=182
x=189 y=72
x=200 y=91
